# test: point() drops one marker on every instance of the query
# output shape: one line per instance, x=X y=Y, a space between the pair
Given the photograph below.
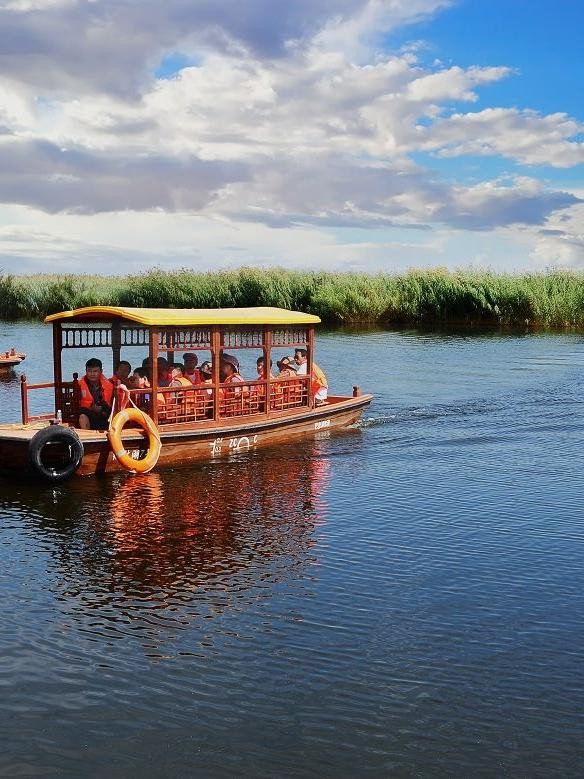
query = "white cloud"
x=524 y=136
x=559 y=250
x=561 y=242
x=494 y=204
x=22 y=6
x=72 y=46
x=452 y=84
x=370 y=19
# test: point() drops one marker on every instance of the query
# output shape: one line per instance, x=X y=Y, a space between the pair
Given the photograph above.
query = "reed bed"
x=419 y=297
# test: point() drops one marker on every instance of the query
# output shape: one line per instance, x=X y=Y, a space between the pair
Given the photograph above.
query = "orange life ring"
x=125 y=459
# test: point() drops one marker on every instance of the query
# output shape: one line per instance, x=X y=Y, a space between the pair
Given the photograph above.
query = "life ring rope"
x=114 y=435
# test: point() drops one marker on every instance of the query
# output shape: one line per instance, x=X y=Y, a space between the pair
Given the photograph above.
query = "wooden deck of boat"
x=19 y=432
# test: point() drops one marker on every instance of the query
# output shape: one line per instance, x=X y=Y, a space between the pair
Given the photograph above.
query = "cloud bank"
x=290 y=116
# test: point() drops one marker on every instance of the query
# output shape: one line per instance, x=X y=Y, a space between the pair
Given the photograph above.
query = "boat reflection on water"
x=8 y=375
x=147 y=555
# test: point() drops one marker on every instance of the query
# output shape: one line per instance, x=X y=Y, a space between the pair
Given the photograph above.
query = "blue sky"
x=341 y=134
x=541 y=40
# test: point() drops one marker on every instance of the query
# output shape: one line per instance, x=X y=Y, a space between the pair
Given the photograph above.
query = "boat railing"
x=184 y=404
x=66 y=401
x=196 y=403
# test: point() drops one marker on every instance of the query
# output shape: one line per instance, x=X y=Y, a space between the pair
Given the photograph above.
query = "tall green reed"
x=545 y=300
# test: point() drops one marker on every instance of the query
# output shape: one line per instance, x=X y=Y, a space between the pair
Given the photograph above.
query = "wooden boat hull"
x=181 y=445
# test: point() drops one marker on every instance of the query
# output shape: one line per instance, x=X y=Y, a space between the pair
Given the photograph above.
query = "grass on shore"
x=541 y=300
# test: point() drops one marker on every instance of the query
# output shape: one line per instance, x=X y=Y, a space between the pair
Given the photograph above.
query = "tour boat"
x=11 y=358
x=172 y=426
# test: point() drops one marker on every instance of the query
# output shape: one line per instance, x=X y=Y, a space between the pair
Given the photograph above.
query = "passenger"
x=177 y=379
x=258 y=391
x=163 y=372
x=289 y=393
x=229 y=370
x=147 y=366
x=190 y=370
x=141 y=375
x=179 y=403
x=287 y=368
x=232 y=395
x=133 y=380
x=318 y=380
x=260 y=362
x=139 y=380
x=204 y=401
x=206 y=371
x=143 y=382
x=95 y=404
x=122 y=372
x=301 y=361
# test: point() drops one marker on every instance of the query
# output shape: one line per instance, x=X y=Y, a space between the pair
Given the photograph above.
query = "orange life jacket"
x=235 y=378
x=260 y=388
x=87 y=400
x=317 y=379
x=194 y=377
x=203 y=399
x=205 y=392
x=116 y=381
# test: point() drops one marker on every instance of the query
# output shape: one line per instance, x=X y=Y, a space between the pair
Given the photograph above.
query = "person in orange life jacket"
x=258 y=388
x=204 y=403
x=177 y=379
x=229 y=371
x=288 y=389
x=140 y=380
x=162 y=370
x=95 y=403
x=318 y=380
x=190 y=370
x=287 y=368
x=134 y=379
x=122 y=373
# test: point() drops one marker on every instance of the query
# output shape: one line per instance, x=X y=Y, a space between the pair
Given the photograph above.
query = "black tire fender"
x=52 y=435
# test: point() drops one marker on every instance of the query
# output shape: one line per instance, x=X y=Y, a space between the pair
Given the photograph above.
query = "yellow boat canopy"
x=168 y=317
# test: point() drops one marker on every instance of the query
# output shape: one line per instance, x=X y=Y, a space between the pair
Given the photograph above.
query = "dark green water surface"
x=405 y=599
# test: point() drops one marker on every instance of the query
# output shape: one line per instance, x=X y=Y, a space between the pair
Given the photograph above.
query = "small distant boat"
x=11 y=358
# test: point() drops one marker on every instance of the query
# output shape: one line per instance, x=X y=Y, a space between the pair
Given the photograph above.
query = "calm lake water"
x=405 y=599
